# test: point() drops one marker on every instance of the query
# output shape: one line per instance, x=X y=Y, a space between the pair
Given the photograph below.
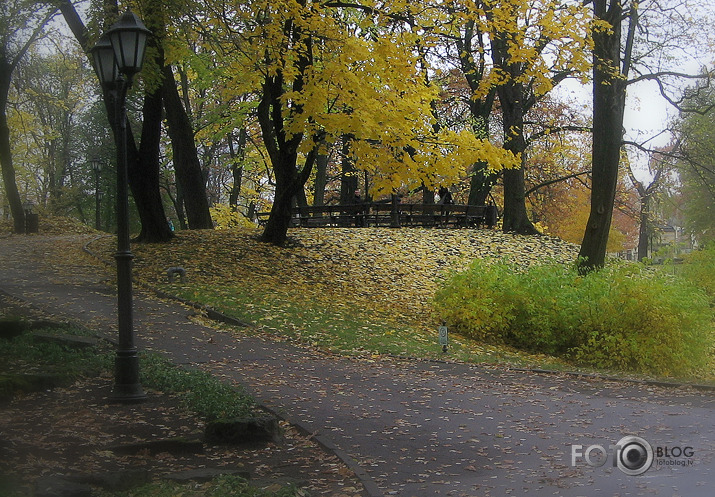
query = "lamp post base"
x=127 y=389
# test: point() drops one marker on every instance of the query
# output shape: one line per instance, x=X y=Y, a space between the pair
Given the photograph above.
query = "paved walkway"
x=416 y=428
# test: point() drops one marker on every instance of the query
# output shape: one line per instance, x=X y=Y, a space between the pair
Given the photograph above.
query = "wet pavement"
x=411 y=428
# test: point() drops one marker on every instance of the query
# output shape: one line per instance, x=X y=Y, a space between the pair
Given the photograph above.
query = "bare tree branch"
x=552 y=130
x=32 y=39
x=557 y=180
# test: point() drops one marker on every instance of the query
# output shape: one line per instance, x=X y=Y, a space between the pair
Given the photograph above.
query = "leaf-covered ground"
x=73 y=431
x=348 y=290
x=52 y=225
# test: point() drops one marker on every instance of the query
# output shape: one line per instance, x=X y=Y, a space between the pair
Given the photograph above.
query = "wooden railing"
x=392 y=214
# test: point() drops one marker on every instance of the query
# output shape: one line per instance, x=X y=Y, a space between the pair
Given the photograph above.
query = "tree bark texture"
x=283 y=151
x=608 y=105
x=237 y=154
x=186 y=160
x=321 y=179
x=8 y=169
x=516 y=219
x=282 y=147
x=481 y=184
x=144 y=178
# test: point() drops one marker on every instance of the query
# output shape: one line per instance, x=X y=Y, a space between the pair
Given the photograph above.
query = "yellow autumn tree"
x=516 y=51
x=322 y=70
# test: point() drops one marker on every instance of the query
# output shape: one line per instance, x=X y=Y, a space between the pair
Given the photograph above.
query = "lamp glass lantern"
x=128 y=38
x=118 y=56
x=96 y=164
x=104 y=62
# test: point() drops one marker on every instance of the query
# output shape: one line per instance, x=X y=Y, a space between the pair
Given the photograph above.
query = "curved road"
x=416 y=428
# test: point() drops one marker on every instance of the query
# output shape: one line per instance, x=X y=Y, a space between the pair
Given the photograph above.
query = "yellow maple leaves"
x=354 y=72
x=365 y=72
x=539 y=38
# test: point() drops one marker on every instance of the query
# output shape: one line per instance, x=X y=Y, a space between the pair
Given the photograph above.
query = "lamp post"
x=97 y=168
x=118 y=56
x=100 y=196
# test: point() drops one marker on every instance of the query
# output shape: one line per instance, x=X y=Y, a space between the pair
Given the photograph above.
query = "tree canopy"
x=696 y=131
x=261 y=97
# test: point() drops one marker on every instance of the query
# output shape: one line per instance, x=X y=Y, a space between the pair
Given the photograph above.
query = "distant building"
x=669 y=242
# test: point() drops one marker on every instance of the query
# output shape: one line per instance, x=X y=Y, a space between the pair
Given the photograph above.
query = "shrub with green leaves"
x=699 y=268
x=626 y=316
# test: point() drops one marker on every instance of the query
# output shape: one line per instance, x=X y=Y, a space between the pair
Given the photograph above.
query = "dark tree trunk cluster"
x=143 y=160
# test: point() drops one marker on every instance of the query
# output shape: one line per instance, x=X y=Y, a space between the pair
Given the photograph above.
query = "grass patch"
x=200 y=392
x=26 y=354
x=355 y=291
x=347 y=328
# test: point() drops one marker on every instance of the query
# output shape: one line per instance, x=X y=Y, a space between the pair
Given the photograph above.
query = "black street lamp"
x=100 y=196
x=97 y=168
x=118 y=55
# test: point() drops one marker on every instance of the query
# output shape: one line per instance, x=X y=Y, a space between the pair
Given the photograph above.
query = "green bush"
x=625 y=317
x=699 y=268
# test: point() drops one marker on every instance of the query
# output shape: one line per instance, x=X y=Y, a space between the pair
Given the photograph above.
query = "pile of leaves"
x=374 y=268
x=354 y=291
x=53 y=225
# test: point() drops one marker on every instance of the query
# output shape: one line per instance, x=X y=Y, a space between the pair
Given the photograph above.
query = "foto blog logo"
x=632 y=455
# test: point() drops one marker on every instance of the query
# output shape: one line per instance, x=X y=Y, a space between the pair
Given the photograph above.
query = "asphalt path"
x=411 y=428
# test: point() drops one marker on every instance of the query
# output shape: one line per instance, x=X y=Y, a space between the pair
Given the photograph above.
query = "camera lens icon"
x=635 y=455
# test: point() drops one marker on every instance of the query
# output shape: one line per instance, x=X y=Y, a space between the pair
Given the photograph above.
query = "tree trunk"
x=179 y=207
x=427 y=195
x=144 y=178
x=516 y=219
x=472 y=62
x=289 y=183
x=300 y=199
x=237 y=157
x=349 y=176
x=143 y=164
x=283 y=151
x=644 y=230
x=281 y=146
x=186 y=160
x=8 y=176
x=8 y=169
x=482 y=180
x=276 y=231
x=481 y=184
x=237 y=174
x=608 y=106
x=321 y=179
